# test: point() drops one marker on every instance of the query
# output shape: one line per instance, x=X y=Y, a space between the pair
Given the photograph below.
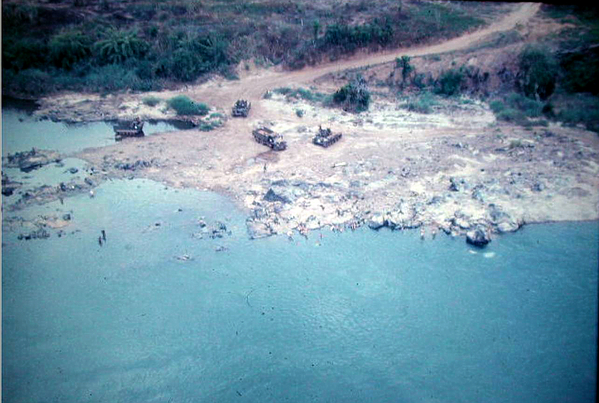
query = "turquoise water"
x=359 y=316
x=22 y=131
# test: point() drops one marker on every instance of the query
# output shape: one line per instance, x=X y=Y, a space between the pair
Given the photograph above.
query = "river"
x=162 y=312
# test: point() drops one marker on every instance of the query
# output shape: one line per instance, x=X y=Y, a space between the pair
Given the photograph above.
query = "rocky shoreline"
x=457 y=171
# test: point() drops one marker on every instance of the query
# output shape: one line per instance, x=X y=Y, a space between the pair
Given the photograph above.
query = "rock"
x=458 y=184
x=40 y=233
x=258 y=229
x=538 y=187
x=507 y=226
x=401 y=218
x=478 y=237
x=377 y=221
x=73 y=170
x=89 y=182
x=8 y=186
x=479 y=194
x=29 y=160
x=272 y=196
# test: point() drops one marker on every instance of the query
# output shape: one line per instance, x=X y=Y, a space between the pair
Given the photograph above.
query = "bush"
x=118 y=45
x=538 y=73
x=30 y=82
x=23 y=54
x=185 y=106
x=581 y=71
x=450 y=82
x=113 y=78
x=517 y=108
x=424 y=103
x=354 y=96
x=151 y=101
x=68 y=47
x=406 y=68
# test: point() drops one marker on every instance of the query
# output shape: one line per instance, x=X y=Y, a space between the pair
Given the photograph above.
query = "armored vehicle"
x=241 y=108
x=267 y=137
x=133 y=129
x=325 y=137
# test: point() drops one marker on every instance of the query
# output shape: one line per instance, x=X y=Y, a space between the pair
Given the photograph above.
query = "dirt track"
x=223 y=94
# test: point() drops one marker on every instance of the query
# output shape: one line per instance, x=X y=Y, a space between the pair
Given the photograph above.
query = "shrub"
x=406 y=68
x=31 y=82
x=151 y=100
x=24 y=54
x=422 y=104
x=185 y=106
x=118 y=45
x=517 y=108
x=299 y=113
x=450 y=82
x=113 y=78
x=354 y=96
x=581 y=71
x=68 y=47
x=538 y=72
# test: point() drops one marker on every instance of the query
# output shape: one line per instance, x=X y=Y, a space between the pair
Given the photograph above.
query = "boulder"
x=458 y=184
x=277 y=196
x=507 y=226
x=258 y=229
x=478 y=237
x=377 y=221
x=8 y=186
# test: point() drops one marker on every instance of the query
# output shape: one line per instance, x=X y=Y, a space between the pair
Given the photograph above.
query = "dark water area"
x=156 y=314
x=21 y=131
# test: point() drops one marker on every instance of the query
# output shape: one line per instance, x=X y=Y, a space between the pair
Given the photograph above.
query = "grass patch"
x=422 y=103
x=300 y=93
x=581 y=109
x=151 y=101
x=183 y=105
x=518 y=109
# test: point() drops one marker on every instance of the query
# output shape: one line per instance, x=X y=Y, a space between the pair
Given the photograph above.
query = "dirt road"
x=223 y=94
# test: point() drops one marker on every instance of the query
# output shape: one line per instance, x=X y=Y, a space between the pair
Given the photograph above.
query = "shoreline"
x=455 y=171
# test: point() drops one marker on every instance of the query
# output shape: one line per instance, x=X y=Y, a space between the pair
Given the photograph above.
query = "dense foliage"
x=538 y=72
x=108 y=45
x=353 y=96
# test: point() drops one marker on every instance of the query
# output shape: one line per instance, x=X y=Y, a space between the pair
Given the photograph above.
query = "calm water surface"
x=364 y=316
x=21 y=131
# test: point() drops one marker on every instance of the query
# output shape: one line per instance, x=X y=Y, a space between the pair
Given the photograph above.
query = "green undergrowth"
x=183 y=105
x=109 y=45
x=304 y=94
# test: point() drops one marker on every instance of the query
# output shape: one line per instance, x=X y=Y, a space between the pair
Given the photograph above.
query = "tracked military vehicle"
x=241 y=108
x=325 y=137
x=267 y=137
x=133 y=129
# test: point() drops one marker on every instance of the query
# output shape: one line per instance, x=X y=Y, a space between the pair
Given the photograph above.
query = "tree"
x=406 y=67
x=538 y=73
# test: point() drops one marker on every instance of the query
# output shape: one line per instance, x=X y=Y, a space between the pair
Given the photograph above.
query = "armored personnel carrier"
x=325 y=137
x=241 y=108
x=133 y=129
x=267 y=137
